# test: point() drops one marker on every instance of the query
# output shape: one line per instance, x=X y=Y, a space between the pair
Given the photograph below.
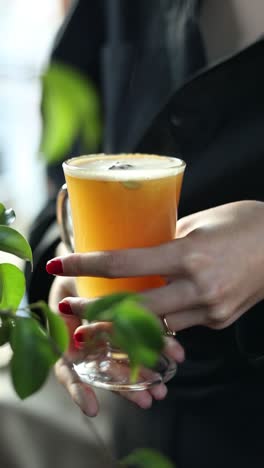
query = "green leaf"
x=12 y=286
x=144 y=326
x=5 y=329
x=61 y=125
x=146 y=458
x=6 y=216
x=13 y=242
x=124 y=336
x=33 y=357
x=57 y=328
x=138 y=333
x=102 y=308
x=71 y=109
x=144 y=356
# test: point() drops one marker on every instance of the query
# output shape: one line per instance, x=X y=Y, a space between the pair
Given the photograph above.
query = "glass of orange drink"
x=117 y=202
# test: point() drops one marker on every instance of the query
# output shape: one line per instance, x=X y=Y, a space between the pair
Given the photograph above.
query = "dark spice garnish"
x=121 y=166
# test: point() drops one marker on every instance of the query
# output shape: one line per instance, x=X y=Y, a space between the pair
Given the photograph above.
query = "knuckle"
x=74 y=263
x=113 y=264
x=195 y=262
x=214 y=292
x=218 y=317
x=79 y=307
x=82 y=303
x=216 y=326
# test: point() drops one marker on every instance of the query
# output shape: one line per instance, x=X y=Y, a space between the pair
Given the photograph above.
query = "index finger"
x=164 y=259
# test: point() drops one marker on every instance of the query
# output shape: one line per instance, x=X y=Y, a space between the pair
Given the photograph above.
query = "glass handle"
x=62 y=217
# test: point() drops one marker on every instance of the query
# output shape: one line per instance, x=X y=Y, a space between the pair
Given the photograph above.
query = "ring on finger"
x=168 y=331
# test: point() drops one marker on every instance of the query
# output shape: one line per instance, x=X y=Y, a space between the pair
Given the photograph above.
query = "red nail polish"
x=65 y=308
x=54 y=267
x=79 y=337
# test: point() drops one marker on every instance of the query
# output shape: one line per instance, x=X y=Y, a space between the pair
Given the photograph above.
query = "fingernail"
x=79 y=337
x=180 y=355
x=160 y=392
x=65 y=308
x=175 y=350
x=54 y=267
x=146 y=402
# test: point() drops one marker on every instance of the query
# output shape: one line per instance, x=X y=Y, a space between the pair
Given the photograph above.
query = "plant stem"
x=134 y=372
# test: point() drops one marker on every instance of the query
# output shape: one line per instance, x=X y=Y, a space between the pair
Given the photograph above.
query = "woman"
x=169 y=100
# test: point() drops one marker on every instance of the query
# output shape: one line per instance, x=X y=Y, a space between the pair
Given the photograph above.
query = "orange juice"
x=119 y=202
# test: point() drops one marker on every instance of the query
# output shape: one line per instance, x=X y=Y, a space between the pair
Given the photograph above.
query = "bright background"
x=27 y=31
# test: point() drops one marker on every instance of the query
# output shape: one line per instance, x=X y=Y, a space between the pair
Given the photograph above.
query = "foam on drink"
x=123 y=167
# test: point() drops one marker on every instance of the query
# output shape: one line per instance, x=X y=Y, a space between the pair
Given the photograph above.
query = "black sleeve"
x=81 y=37
x=78 y=45
x=43 y=238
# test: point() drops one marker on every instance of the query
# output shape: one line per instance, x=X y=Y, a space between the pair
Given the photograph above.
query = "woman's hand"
x=215 y=267
x=71 y=309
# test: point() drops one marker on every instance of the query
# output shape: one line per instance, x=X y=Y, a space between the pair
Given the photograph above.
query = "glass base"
x=111 y=370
